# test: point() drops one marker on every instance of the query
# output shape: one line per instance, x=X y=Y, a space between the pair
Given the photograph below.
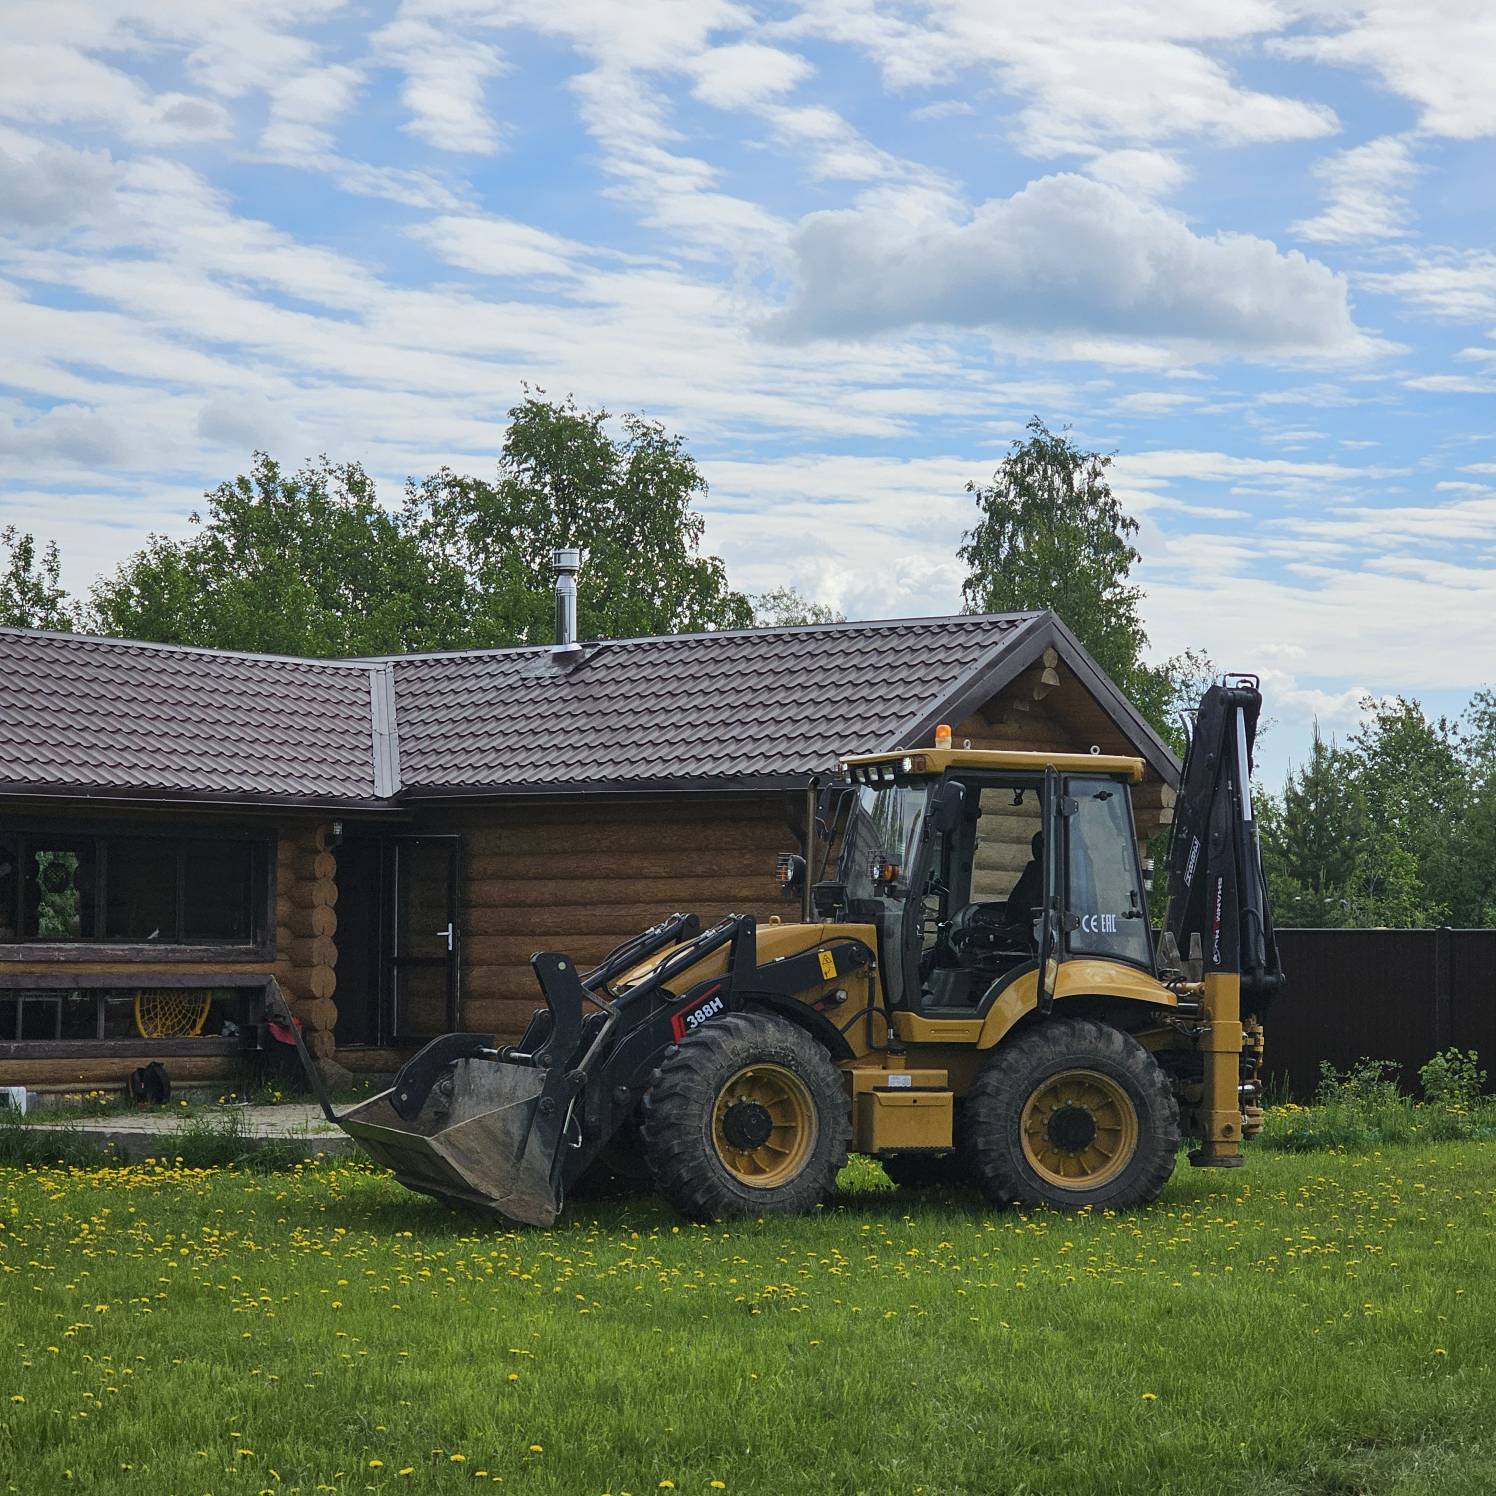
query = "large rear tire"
x=1073 y=1113
x=746 y=1116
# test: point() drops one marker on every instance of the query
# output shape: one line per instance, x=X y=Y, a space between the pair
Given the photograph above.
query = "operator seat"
x=1027 y=894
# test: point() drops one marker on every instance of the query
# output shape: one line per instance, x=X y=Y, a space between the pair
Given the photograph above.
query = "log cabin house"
x=391 y=839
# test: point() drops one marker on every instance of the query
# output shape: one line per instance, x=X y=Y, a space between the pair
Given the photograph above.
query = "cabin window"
x=132 y=890
x=1104 y=900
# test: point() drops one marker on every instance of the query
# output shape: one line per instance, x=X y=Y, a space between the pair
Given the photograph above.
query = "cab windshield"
x=882 y=828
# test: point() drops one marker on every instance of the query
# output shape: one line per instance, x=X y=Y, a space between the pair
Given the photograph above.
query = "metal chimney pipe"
x=566 y=563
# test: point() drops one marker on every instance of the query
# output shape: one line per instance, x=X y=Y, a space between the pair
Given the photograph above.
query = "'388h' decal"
x=690 y=1018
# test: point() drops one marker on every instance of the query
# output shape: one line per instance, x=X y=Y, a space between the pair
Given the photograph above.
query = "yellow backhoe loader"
x=951 y=1012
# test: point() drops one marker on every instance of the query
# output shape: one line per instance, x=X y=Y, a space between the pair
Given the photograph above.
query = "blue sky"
x=846 y=247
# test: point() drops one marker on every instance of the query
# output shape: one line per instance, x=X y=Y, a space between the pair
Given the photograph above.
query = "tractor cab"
x=977 y=866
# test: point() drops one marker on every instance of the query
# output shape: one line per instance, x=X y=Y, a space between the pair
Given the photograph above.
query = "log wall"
x=306 y=919
x=583 y=876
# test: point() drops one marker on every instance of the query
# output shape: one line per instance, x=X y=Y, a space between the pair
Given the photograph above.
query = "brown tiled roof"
x=753 y=704
x=762 y=706
x=111 y=716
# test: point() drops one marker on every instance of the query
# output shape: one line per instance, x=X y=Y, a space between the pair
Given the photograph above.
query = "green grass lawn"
x=1312 y=1323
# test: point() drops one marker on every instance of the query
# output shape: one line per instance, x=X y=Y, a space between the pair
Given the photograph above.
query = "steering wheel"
x=978 y=930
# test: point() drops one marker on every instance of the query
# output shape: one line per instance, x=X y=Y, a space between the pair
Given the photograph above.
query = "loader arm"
x=1218 y=911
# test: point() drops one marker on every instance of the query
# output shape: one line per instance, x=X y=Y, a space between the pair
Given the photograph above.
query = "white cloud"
x=835 y=150
x=1065 y=255
x=247 y=420
x=1365 y=187
x=498 y=246
x=46 y=187
x=47 y=83
x=1438 y=54
x=1093 y=74
x=1452 y=384
x=1448 y=284
x=943 y=109
x=303 y=109
x=1149 y=174
x=446 y=76
x=67 y=436
x=743 y=74
x=1154 y=402
x=179 y=119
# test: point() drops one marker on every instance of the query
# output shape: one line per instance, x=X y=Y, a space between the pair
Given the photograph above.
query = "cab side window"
x=1105 y=895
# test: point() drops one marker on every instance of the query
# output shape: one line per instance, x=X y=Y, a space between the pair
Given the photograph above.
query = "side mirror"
x=948 y=806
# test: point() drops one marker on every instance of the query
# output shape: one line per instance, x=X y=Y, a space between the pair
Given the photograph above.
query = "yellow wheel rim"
x=171 y=1013
x=1080 y=1130
x=764 y=1126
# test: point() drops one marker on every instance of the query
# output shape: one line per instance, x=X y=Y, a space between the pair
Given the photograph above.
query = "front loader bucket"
x=485 y=1140
x=495 y=1129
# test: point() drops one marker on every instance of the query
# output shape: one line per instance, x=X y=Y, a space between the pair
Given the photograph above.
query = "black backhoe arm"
x=1216 y=889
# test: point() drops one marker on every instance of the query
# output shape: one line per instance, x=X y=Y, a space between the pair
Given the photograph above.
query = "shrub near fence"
x=1400 y=995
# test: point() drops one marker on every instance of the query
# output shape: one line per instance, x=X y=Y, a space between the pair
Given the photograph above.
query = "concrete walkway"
x=149 y=1132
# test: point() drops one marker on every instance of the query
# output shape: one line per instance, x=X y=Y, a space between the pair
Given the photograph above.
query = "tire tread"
x=1009 y=1077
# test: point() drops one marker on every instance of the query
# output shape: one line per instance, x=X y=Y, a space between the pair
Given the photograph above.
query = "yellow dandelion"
x=717 y=1485
x=407 y=1470
x=537 y=1448
x=457 y=1459
x=18 y=1398
x=376 y=1464
x=668 y=1485
x=1150 y=1397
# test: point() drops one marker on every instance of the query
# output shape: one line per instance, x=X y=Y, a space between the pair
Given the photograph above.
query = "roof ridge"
x=64 y=636
x=844 y=624
x=369 y=662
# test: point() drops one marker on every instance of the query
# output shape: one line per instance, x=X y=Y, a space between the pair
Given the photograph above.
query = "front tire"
x=1073 y=1113
x=746 y=1116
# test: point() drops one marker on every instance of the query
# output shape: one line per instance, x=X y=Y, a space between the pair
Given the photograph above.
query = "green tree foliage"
x=31 y=591
x=1478 y=824
x=1311 y=836
x=783 y=607
x=1330 y=860
x=1051 y=534
x=311 y=562
x=564 y=480
x=1394 y=829
x=304 y=563
x=1415 y=778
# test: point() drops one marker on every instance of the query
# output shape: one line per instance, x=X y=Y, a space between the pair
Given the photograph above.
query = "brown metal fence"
x=1398 y=995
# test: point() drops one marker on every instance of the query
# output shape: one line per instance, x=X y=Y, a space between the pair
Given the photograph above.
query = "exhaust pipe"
x=566 y=562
